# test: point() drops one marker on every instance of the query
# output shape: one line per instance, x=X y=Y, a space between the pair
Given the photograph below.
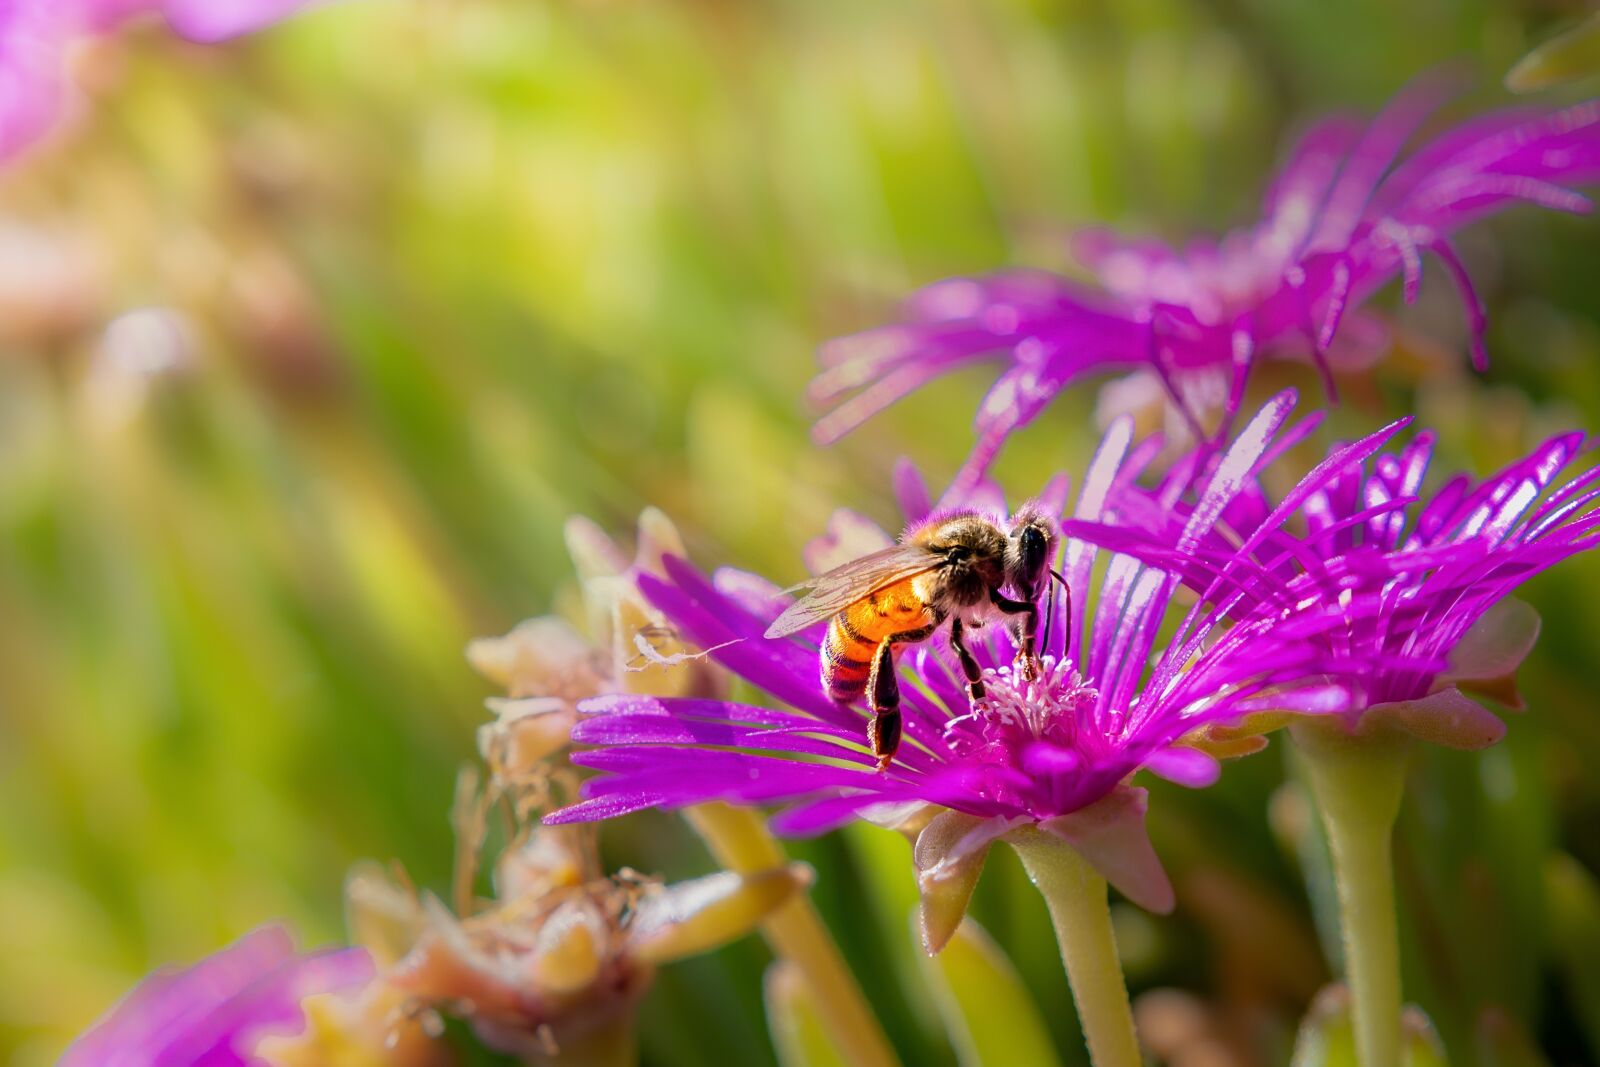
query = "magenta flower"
x=213 y=1013
x=1341 y=219
x=1423 y=581
x=1054 y=752
x=36 y=34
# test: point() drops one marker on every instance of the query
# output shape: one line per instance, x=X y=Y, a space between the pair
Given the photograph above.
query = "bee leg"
x=1024 y=629
x=969 y=665
x=883 y=693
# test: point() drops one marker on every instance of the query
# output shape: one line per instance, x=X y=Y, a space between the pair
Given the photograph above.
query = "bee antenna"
x=1051 y=612
x=1049 y=615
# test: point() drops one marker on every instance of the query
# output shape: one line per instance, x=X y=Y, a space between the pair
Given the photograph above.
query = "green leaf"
x=797 y=1031
x=1573 y=55
x=988 y=1012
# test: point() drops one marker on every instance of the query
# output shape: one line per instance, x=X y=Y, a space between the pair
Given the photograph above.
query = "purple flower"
x=211 y=1014
x=36 y=34
x=1422 y=580
x=1341 y=219
x=1113 y=695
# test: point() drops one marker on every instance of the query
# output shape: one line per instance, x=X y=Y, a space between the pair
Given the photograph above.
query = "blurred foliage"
x=430 y=276
x=1569 y=56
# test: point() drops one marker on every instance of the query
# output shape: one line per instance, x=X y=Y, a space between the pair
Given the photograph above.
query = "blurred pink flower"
x=214 y=1012
x=35 y=36
x=1346 y=213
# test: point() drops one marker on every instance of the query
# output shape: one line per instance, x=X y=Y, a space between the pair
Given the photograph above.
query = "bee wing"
x=836 y=590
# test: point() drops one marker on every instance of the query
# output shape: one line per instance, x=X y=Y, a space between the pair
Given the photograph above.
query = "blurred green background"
x=415 y=281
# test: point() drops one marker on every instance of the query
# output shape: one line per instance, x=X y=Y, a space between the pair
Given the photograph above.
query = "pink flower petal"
x=1110 y=834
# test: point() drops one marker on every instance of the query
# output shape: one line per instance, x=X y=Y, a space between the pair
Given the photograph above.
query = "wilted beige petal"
x=446 y=966
x=568 y=948
x=371 y=1029
x=545 y=859
x=594 y=554
x=541 y=657
x=691 y=917
x=658 y=538
x=384 y=916
x=652 y=659
x=524 y=734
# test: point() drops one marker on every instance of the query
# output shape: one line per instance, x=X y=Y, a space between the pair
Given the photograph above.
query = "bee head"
x=1030 y=549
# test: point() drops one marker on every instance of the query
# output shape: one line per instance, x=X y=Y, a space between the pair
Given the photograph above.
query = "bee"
x=954 y=567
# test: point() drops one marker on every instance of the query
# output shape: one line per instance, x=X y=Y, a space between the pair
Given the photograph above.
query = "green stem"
x=1357 y=781
x=739 y=840
x=1076 y=896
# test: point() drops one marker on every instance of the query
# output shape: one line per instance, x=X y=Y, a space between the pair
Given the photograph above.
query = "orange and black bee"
x=956 y=566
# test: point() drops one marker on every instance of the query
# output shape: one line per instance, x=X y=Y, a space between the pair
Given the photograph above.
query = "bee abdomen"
x=846 y=660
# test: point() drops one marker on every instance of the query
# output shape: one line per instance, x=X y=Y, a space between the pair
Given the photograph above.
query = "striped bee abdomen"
x=846 y=659
x=856 y=632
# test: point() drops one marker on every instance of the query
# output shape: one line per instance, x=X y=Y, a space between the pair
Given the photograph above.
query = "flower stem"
x=1076 y=896
x=1357 y=781
x=739 y=840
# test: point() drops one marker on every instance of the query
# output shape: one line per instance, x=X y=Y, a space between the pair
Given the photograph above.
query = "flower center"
x=1016 y=712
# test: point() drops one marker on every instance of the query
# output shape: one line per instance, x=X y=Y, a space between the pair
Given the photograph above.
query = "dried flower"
x=1052 y=752
x=560 y=956
x=1340 y=219
x=546 y=665
x=216 y=1011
